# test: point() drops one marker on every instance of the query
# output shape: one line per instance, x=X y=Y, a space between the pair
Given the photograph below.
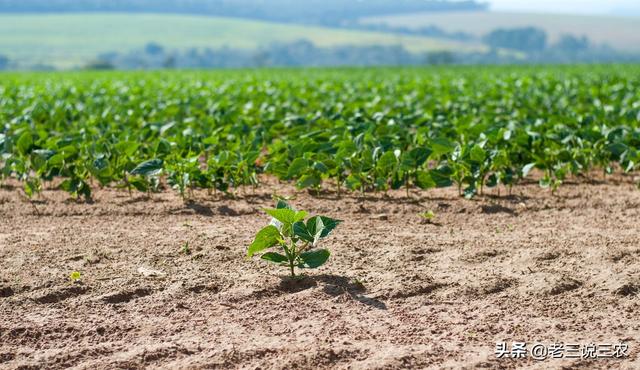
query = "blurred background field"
x=145 y=34
x=622 y=33
x=68 y=40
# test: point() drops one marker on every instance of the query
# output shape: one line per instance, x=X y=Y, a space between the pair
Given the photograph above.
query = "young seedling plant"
x=429 y=216
x=75 y=276
x=295 y=241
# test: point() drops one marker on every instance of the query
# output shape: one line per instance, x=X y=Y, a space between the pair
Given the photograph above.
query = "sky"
x=602 y=7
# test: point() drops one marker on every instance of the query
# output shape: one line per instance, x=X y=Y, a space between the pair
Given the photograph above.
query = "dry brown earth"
x=398 y=292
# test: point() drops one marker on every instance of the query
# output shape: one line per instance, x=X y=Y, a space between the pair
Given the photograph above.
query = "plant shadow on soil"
x=199 y=209
x=202 y=209
x=142 y=199
x=496 y=208
x=333 y=285
x=370 y=197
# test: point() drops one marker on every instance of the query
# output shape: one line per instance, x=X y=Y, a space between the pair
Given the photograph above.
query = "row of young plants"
x=355 y=130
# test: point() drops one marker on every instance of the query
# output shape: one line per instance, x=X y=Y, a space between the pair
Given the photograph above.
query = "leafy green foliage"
x=295 y=241
x=368 y=130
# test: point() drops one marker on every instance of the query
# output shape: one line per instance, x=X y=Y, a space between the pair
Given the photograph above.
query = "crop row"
x=360 y=130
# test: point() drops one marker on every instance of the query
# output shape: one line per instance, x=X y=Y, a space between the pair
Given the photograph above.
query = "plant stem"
x=291 y=255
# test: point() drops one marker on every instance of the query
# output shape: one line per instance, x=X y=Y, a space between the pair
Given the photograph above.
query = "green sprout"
x=185 y=249
x=428 y=215
x=75 y=276
x=295 y=241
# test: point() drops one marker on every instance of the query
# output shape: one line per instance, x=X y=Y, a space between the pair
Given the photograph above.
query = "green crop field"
x=71 y=40
x=355 y=130
x=619 y=32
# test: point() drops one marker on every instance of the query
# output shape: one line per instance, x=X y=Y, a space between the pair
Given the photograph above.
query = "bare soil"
x=398 y=292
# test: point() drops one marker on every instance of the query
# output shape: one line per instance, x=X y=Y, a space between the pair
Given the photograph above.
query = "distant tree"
x=153 y=48
x=529 y=39
x=570 y=43
x=441 y=58
x=260 y=58
x=169 y=62
x=99 y=65
x=297 y=53
x=431 y=31
x=4 y=62
x=42 y=67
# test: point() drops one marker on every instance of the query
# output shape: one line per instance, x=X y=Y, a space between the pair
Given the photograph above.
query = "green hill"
x=69 y=40
x=622 y=33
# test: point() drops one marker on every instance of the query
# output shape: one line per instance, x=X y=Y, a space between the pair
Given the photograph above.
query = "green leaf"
x=442 y=146
x=25 y=142
x=70 y=185
x=44 y=154
x=163 y=148
x=31 y=187
x=492 y=181
x=286 y=216
x=311 y=232
x=526 y=169
x=139 y=183
x=128 y=148
x=149 y=168
x=69 y=151
x=328 y=225
x=251 y=157
x=282 y=204
x=266 y=238
x=100 y=163
x=301 y=231
x=478 y=154
x=314 y=259
x=320 y=167
x=307 y=181
x=441 y=176
x=352 y=182
x=316 y=227
x=424 y=180
x=76 y=186
x=387 y=162
x=274 y=257
x=420 y=155
x=297 y=167
x=617 y=149
x=55 y=160
x=414 y=158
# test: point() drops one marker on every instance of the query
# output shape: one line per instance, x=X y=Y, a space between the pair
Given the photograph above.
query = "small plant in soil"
x=75 y=276
x=294 y=241
x=186 y=250
x=428 y=215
